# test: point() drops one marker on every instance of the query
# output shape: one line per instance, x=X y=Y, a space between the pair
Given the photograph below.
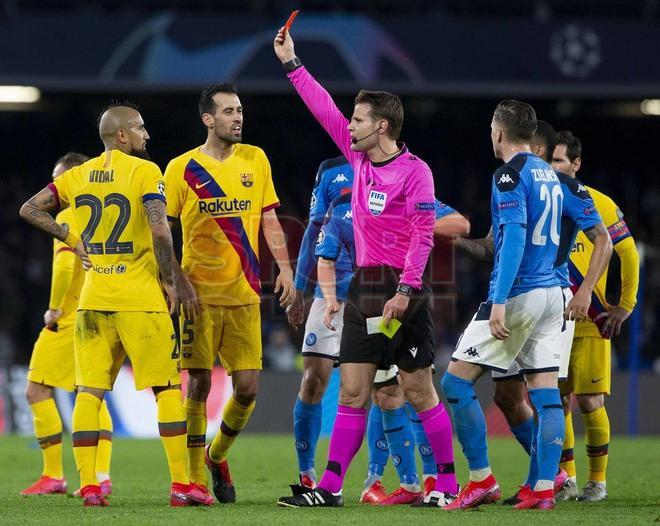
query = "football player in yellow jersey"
x=589 y=373
x=118 y=205
x=51 y=364
x=223 y=192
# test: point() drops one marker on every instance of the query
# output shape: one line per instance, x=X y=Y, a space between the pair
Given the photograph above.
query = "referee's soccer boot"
x=475 y=494
x=92 y=497
x=568 y=492
x=223 y=485
x=434 y=499
x=593 y=492
x=537 y=500
x=45 y=486
x=317 y=497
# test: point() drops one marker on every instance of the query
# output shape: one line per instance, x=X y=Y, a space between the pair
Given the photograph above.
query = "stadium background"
x=584 y=65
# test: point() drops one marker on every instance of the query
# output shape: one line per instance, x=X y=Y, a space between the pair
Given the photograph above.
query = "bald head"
x=122 y=127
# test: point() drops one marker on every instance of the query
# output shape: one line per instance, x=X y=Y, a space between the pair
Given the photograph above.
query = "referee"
x=393 y=216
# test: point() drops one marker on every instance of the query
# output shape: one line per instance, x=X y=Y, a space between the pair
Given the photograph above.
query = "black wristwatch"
x=404 y=289
x=292 y=64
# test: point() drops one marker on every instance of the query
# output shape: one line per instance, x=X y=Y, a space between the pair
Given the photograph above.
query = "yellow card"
x=391 y=331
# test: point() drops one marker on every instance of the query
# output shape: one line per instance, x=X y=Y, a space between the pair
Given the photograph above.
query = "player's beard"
x=228 y=138
x=142 y=154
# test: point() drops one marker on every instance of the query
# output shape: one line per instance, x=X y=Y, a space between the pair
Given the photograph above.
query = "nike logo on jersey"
x=413 y=351
x=341 y=178
x=198 y=186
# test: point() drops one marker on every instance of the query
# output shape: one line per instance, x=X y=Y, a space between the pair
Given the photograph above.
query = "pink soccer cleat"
x=401 y=496
x=45 y=486
x=475 y=494
x=373 y=494
x=537 y=500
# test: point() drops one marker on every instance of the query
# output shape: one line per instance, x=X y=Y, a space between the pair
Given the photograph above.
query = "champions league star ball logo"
x=575 y=50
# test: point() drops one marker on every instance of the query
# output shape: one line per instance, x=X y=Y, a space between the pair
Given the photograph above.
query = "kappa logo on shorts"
x=377 y=202
x=310 y=340
x=471 y=351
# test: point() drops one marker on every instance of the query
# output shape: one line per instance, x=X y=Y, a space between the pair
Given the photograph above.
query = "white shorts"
x=568 y=329
x=319 y=340
x=535 y=320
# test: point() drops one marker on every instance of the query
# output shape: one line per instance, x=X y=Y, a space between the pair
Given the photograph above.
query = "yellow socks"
x=567 y=460
x=597 y=430
x=104 y=450
x=86 y=436
x=48 y=430
x=234 y=419
x=196 y=420
x=172 y=429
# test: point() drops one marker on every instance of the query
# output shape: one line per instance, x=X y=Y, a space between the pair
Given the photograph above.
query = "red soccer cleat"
x=92 y=496
x=560 y=480
x=373 y=494
x=401 y=496
x=538 y=500
x=475 y=494
x=45 y=486
x=189 y=495
x=106 y=489
x=307 y=481
x=429 y=485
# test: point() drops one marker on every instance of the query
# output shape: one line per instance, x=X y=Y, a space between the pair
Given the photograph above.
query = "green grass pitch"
x=264 y=465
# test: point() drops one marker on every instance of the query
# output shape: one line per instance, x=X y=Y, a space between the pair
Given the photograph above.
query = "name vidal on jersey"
x=101 y=176
x=221 y=207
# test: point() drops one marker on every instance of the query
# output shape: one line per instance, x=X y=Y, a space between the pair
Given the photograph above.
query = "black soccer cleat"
x=312 y=498
x=223 y=486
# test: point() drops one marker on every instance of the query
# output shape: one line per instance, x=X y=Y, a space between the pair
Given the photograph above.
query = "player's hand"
x=578 y=307
x=284 y=46
x=395 y=308
x=332 y=307
x=284 y=282
x=614 y=319
x=187 y=296
x=295 y=312
x=496 y=322
x=81 y=252
x=172 y=297
x=51 y=316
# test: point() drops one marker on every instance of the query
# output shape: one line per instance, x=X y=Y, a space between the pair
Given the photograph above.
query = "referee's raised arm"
x=315 y=97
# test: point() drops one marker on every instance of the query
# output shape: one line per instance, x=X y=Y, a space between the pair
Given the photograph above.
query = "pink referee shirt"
x=393 y=202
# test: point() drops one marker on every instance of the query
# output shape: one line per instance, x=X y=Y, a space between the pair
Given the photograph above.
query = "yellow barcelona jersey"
x=106 y=196
x=581 y=256
x=63 y=297
x=220 y=205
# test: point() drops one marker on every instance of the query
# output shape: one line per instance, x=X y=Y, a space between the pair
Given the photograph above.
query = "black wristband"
x=404 y=289
x=292 y=64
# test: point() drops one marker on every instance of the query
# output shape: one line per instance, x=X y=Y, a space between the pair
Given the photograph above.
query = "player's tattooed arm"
x=162 y=237
x=36 y=211
x=479 y=248
x=578 y=306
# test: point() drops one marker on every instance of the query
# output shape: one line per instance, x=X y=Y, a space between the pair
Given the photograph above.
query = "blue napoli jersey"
x=336 y=238
x=333 y=178
x=579 y=213
x=442 y=210
x=527 y=191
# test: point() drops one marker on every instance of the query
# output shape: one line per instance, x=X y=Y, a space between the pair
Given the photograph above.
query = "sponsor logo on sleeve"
x=507 y=204
x=425 y=207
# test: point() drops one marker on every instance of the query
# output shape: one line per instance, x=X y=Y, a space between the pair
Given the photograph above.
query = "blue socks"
x=533 y=474
x=523 y=433
x=429 y=466
x=401 y=444
x=550 y=438
x=307 y=420
x=469 y=421
x=378 y=451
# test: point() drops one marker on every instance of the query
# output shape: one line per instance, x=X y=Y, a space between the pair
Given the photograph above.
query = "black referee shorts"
x=413 y=345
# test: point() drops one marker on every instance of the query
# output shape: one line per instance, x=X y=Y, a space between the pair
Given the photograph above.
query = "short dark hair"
x=206 y=103
x=573 y=144
x=546 y=136
x=116 y=103
x=384 y=105
x=71 y=159
x=517 y=118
